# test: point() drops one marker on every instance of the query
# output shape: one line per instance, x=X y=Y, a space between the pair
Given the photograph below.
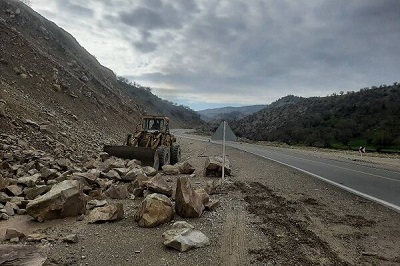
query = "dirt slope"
x=48 y=78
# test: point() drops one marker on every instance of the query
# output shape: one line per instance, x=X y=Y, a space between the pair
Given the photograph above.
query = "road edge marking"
x=353 y=191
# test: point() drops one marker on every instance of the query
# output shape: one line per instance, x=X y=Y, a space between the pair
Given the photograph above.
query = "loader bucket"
x=147 y=156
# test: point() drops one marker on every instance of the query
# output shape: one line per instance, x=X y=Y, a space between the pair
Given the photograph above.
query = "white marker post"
x=223 y=153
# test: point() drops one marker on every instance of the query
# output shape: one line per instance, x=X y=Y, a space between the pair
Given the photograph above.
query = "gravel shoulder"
x=269 y=215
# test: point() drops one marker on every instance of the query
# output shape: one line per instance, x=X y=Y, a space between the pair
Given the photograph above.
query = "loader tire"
x=128 y=141
x=163 y=156
x=175 y=154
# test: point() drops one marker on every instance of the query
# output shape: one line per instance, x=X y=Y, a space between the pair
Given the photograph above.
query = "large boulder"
x=188 y=203
x=109 y=213
x=138 y=186
x=4 y=197
x=64 y=163
x=48 y=174
x=14 y=190
x=149 y=171
x=117 y=192
x=159 y=184
x=170 y=169
x=33 y=192
x=63 y=200
x=213 y=166
x=185 y=168
x=132 y=174
x=112 y=174
x=111 y=163
x=183 y=237
x=154 y=210
x=29 y=181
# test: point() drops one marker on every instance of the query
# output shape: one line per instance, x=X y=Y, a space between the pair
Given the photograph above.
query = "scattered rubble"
x=213 y=166
x=159 y=184
x=203 y=195
x=109 y=213
x=22 y=255
x=3 y=108
x=185 y=168
x=179 y=168
x=170 y=169
x=50 y=186
x=212 y=187
x=95 y=203
x=212 y=205
x=13 y=233
x=183 y=237
x=73 y=238
x=117 y=192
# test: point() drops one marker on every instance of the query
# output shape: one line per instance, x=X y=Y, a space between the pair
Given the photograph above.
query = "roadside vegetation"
x=348 y=120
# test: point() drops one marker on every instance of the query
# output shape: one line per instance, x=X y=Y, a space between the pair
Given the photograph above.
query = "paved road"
x=379 y=185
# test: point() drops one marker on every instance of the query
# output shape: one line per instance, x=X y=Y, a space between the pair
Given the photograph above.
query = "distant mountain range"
x=228 y=113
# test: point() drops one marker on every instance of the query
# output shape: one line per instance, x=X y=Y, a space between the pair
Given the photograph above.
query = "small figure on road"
x=361 y=150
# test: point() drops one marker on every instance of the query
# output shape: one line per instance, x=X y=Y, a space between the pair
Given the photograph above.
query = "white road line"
x=356 y=192
x=340 y=167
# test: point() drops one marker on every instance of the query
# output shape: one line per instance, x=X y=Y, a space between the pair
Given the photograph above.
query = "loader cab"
x=154 y=124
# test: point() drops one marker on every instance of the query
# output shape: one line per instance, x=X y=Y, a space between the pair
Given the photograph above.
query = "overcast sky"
x=212 y=53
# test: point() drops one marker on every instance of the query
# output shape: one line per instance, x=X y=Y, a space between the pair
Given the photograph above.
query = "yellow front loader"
x=152 y=144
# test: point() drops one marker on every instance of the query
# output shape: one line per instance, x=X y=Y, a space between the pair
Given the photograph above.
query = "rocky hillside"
x=54 y=93
x=370 y=117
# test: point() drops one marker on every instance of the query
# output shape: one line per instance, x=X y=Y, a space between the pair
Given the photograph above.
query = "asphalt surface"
x=370 y=182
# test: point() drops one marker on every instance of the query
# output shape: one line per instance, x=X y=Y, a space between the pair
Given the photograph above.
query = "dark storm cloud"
x=143 y=18
x=74 y=8
x=156 y=14
x=152 y=17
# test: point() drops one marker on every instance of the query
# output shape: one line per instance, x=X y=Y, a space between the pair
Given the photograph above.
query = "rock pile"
x=47 y=187
x=50 y=187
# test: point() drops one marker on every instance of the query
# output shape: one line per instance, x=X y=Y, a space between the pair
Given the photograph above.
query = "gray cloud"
x=74 y=9
x=143 y=18
x=259 y=50
x=145 y=46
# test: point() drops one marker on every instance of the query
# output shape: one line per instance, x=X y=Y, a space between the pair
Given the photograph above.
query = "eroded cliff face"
x=47 y=80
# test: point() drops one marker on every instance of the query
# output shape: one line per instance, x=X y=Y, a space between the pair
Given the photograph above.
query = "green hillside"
x=370 y=117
